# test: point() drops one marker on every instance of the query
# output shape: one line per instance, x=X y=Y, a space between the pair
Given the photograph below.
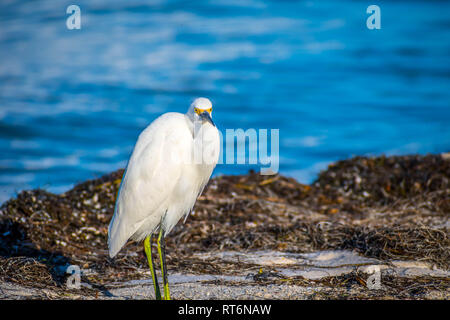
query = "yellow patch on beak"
x=199 y=111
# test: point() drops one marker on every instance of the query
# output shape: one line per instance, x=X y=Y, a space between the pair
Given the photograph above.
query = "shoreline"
x=393 y=210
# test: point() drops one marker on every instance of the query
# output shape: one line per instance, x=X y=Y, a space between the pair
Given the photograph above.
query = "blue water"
x=72 y=102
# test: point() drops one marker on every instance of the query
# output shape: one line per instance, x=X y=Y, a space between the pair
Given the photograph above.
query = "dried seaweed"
x=383 y=207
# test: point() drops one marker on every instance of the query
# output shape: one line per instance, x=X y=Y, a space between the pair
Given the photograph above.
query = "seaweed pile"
x=390 y=208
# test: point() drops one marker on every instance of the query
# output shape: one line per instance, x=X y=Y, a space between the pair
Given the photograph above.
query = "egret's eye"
x=196 y=110
x=210 y=110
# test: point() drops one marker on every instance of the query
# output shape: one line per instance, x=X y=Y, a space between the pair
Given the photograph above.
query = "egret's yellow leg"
x=162 y=256
x=148 y=252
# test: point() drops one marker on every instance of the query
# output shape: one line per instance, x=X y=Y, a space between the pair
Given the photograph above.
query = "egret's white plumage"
x=170 y=165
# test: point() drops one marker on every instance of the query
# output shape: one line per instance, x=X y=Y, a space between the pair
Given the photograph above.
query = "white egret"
x=171 y=163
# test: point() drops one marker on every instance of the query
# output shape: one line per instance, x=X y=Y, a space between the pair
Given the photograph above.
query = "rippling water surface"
x=72 y=102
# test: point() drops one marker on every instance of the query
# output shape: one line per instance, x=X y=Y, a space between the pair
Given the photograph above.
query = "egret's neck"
x=195 y=126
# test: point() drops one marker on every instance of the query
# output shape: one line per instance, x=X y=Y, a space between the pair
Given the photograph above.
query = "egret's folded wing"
x=150 y=178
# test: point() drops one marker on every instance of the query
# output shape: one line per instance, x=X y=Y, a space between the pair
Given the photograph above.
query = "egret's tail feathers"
x=115 y=244
x=116 y=238
x=113 y=250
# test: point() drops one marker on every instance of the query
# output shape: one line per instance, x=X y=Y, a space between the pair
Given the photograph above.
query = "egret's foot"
x=166 y=291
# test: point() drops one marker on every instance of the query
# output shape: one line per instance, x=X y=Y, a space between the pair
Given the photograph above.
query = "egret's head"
x=201 y=110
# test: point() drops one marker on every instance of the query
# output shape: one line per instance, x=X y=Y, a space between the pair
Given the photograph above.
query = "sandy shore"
x=313 y=269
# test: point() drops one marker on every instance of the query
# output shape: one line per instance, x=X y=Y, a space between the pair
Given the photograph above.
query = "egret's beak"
x=205 y=116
